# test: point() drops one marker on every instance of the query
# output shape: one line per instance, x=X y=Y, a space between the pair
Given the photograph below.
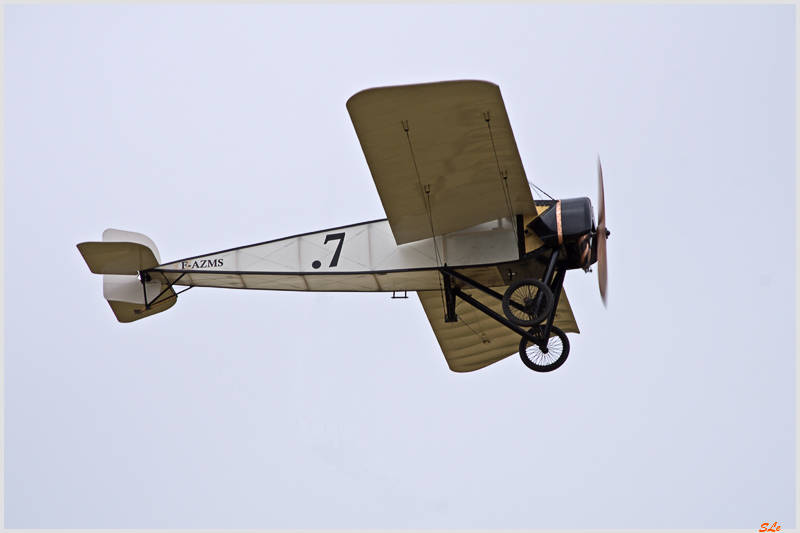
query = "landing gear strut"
x=526 y=302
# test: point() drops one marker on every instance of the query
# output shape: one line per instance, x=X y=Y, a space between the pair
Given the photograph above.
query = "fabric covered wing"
x=448 y=144
x=476 y=340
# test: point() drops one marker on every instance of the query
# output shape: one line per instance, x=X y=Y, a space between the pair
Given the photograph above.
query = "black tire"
x=538 y=360
x=534 y=296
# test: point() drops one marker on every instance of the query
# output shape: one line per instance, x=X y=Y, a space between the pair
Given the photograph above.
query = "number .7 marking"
x=333 y=237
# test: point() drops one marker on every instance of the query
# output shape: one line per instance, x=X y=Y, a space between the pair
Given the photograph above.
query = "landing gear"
x=527 y=302
x=544 y=357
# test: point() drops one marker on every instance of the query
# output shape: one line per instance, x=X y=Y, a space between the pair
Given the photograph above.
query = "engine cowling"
x=565 y=222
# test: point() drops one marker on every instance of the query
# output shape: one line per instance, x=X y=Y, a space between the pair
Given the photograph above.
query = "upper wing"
x=442 y=155
x=475 y=340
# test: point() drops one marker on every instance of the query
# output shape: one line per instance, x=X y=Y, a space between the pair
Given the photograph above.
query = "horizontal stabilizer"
x=130 y=312
x=117 y=257
x=121 y=252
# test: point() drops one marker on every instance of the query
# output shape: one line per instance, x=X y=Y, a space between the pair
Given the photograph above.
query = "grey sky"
x=208 y=127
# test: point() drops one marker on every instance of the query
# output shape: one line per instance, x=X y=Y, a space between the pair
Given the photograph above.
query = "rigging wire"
x=503 y=175
x=426 y=194
x=427 y=200
x=539 y=190
x=478 y=321
x=482 y=336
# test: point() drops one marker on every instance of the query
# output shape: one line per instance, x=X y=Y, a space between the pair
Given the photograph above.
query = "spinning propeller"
x=602 y=235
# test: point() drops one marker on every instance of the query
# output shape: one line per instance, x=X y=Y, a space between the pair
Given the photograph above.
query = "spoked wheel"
x=545 y=358
x=527 y=302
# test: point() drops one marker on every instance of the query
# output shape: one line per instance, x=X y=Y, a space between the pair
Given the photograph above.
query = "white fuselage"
x=361 y=257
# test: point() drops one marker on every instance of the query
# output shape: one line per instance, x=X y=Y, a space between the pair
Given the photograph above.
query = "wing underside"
x=475 y=340
x=442 y=155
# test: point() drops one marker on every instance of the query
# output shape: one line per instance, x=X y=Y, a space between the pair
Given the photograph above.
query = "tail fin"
x=120 y=257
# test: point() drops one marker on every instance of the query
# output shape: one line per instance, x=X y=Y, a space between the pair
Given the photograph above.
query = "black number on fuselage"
x=333 y=237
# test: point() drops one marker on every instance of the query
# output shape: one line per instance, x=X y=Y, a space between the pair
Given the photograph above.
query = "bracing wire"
x=426 y=194
x=427 y=200
x=539 y=190
x=503 y=175
x=482 y=336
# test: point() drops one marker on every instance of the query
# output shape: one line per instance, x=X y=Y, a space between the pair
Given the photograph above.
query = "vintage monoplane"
x=462 y=227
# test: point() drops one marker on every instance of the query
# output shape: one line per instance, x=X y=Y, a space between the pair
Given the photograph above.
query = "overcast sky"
x=209 y=127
